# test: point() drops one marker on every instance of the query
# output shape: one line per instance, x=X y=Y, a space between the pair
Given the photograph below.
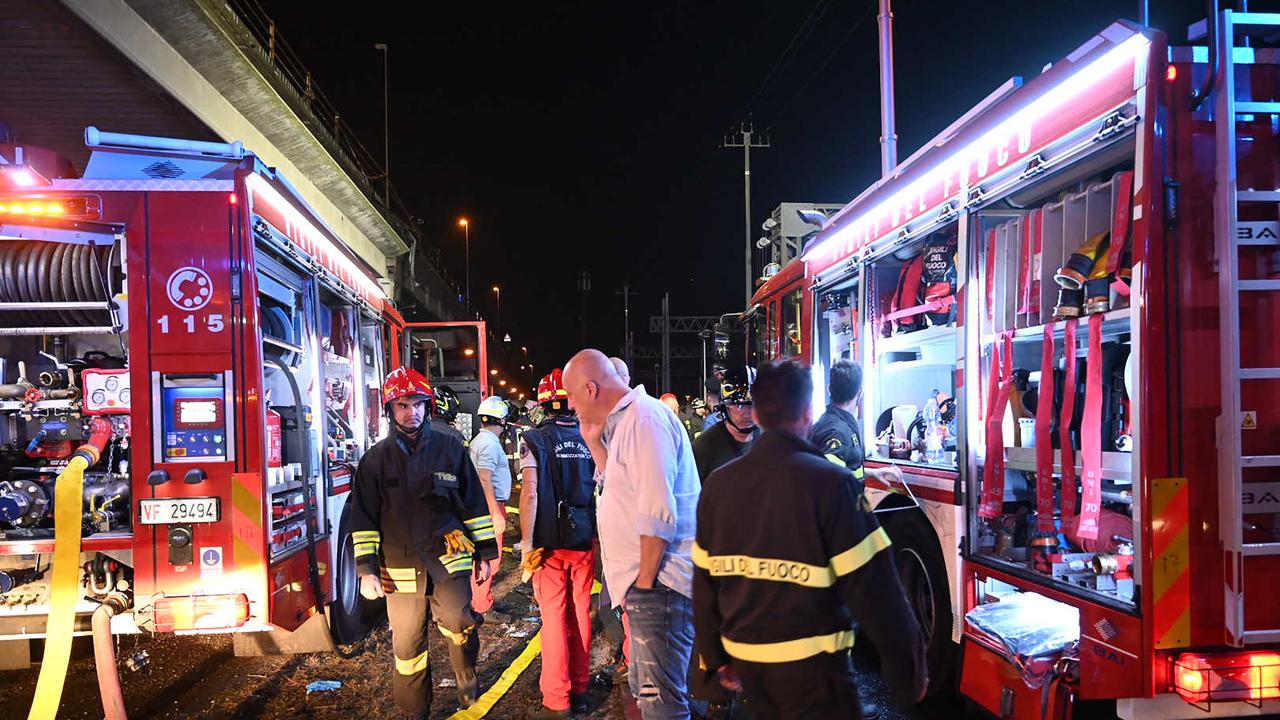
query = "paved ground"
x=200 y=678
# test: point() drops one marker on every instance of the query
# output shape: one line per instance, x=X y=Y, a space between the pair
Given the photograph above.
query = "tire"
x=923 y=573
x=351 y=616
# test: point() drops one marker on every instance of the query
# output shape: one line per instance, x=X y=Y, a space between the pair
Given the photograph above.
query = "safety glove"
x=456 y=542
x=532 y=562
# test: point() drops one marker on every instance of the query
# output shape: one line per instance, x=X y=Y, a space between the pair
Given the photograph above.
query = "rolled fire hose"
x=68 y=509
x=104 y=657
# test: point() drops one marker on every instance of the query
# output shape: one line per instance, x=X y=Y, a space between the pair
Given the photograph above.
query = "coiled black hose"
x=33 y=271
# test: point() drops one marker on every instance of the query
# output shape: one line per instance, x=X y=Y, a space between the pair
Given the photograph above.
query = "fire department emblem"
x=1106 y=629
x=189 y=288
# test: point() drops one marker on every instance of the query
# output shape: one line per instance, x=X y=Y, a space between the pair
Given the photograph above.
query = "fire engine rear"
x=190 y=363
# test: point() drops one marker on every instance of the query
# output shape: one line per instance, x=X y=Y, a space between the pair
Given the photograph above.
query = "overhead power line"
x=830 y=56
x=797 y=40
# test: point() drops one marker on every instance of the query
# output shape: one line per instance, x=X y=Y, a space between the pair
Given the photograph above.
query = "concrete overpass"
x=207 y=69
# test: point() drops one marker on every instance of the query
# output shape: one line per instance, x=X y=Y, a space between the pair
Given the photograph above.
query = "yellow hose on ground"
x=67 y=508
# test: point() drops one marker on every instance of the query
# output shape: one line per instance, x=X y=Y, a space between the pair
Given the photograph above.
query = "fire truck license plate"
x=178 y=510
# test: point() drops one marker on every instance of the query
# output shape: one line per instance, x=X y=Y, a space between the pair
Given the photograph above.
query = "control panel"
x=194 y=416
x=106 y=392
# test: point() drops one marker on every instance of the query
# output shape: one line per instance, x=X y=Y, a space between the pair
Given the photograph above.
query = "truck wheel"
x=923 y=573
x=350 y=615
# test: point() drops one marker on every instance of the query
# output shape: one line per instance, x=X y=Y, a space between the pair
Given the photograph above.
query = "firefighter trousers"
x=563 y=591
x=816 y=688
x=410 y=615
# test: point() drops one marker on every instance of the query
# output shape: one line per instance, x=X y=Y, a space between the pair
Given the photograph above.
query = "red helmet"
x=670 y=401
x=551 y=389
x=405 y=382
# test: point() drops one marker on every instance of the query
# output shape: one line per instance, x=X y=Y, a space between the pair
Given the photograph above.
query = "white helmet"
x=493 y=407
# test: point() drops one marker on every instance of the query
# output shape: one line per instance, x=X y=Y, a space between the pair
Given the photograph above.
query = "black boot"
x=463 y=659
x=542 y=712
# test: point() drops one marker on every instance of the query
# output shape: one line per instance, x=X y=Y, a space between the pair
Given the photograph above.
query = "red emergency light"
x=1224 y=677
x=176 y=613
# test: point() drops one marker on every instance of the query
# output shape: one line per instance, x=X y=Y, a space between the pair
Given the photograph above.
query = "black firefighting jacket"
x=786 y=557
x=406 y=497
x=837 y=435
x=716 y=446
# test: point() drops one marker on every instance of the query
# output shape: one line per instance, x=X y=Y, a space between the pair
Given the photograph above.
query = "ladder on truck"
x=1227 y=199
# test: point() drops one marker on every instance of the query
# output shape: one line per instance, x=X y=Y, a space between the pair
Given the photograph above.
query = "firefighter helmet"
x=551 y=390
x=405 y=382
x=493 y=407
x=446 y=403
x=671 y=401
x=735 y=388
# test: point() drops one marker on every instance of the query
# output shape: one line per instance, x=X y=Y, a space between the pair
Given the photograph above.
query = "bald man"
x=621 y=368
x=646 y=517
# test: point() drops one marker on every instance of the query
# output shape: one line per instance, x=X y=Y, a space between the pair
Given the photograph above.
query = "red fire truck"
x=1064 y=305
x=181 y=320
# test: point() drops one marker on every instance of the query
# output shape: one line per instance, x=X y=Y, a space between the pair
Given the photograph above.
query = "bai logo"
x=1258 y=233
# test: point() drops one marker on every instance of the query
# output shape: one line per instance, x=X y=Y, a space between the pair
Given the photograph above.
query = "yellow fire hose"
x=68 y=507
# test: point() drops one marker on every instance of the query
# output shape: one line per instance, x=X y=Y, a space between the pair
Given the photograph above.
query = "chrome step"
x=1257 y=549
x=1258 y=196
x=1257 y=461
x=1260 y=373
x=1257 y=108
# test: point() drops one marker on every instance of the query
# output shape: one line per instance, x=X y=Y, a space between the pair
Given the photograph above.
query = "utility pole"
x=584 y=290
x=746 y=140
x=888 y=129
x=702 y=379
x=386 y=124
x=666 y=342
x=626 y=294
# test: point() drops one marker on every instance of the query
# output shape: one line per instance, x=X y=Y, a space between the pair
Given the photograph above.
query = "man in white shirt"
x=490 y=460
x=646 y=516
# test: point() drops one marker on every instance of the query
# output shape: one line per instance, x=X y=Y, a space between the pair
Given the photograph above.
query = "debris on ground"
x=323 y=686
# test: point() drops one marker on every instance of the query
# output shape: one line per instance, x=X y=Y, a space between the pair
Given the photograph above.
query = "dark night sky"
x=585 y=135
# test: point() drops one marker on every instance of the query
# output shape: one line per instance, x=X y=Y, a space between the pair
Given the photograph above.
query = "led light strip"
x=976 y=151
x=260 y=188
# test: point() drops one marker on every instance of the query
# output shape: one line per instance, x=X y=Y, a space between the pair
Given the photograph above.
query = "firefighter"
x=733 y=434
x=557 y=524
x=839 y=437
x=446 y=411
x=837 y=432
x=731 y=437
x=420 y=522
x=784 y=531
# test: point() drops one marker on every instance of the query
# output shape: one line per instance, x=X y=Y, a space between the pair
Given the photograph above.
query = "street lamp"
x=497 y=323
x=502 y=383
x=493 y=371
x=465 y=224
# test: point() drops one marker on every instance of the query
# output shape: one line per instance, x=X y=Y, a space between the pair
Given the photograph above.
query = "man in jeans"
x=646 y=517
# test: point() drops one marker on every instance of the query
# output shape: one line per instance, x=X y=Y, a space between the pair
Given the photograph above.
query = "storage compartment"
x=1052 y=391
x=909 y=406
x=836 y=332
